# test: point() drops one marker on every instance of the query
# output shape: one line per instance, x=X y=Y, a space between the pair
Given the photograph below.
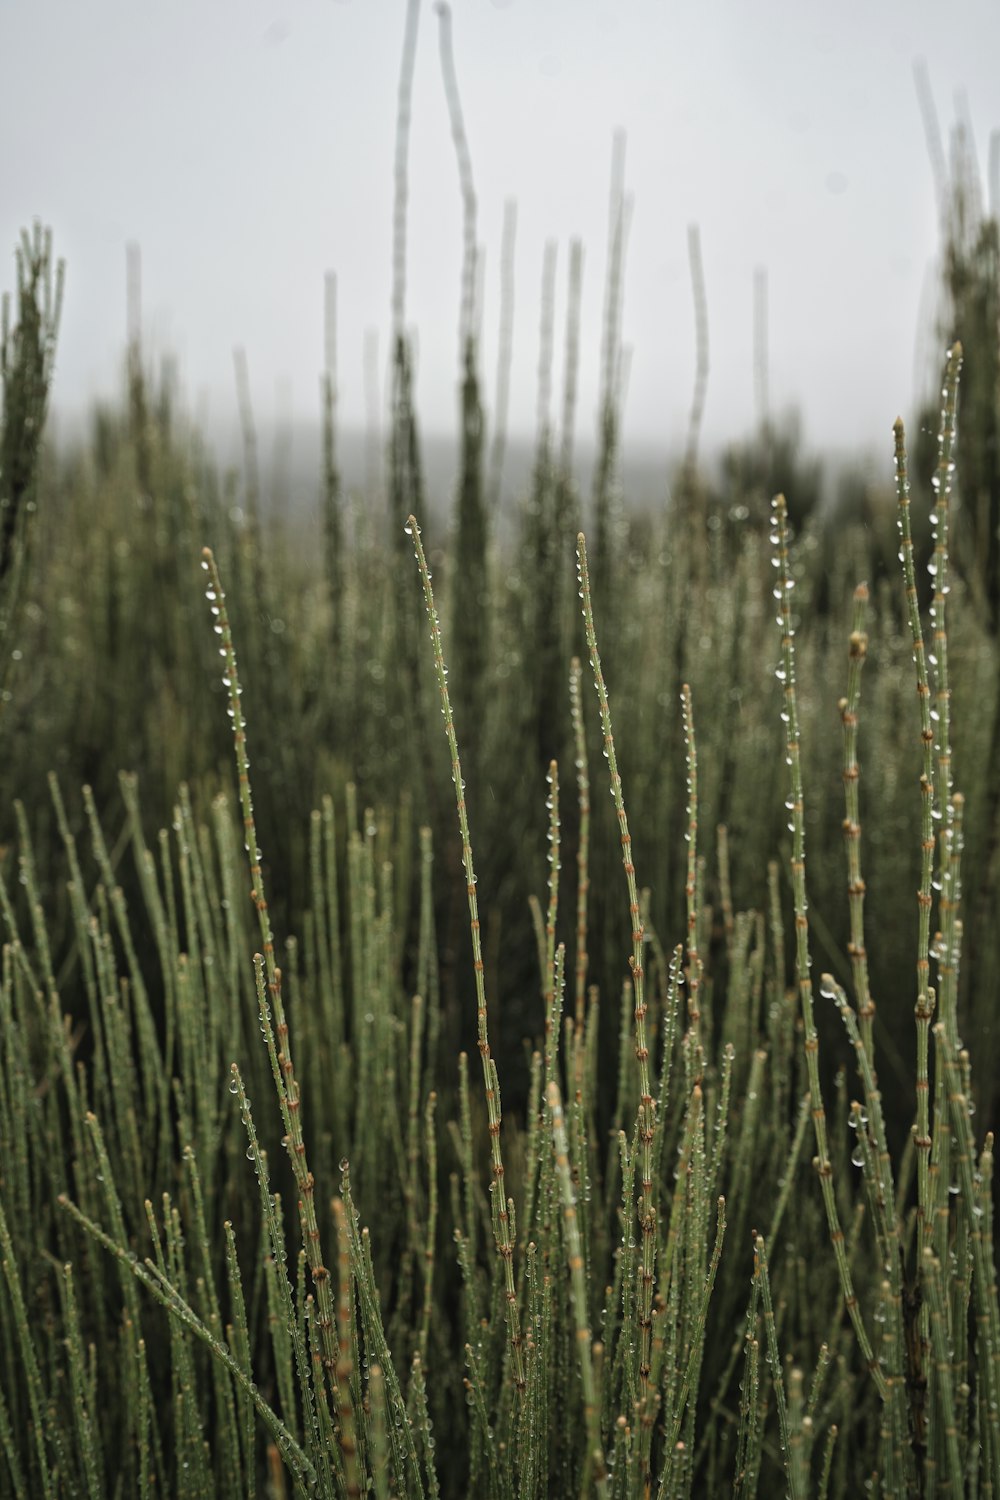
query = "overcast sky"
x=247 y=146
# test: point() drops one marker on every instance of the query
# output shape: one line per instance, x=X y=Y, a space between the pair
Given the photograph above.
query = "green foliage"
x=27 y=356
x=770 y=463
x=729 y=1227
x=970 y=312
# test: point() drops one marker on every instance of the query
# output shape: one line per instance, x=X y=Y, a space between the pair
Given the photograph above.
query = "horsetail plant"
x=691 y=888
x=646 y=1123
x=503 y=1206
x=803 y=961
x=852 y=820
x=609 y=1347
x=925 y=1001
x=27 y=363
x=274 y=1025
x=595 y=1464
x=583 y=847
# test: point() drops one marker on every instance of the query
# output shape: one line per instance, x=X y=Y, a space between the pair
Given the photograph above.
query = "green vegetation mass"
x=723 y=937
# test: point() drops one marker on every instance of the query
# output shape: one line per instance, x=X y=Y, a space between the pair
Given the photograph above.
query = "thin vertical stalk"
x=430 y=1147
x=938 y=569
x=41 y=1415
x=269 y=985
x=571 y=363
x=466 y=331
x=726 y=896
x=491 y=1081
x=505 y=350
x=924 y=1007
x=583 y=845
x=701 y=347
x=646 y=1123
x=931 y=1281
x=774 y=1360
x=858 y=650
x=949 y=815
x=401 y=193
x=987 y=1311
x=551 y=918
x=606 y=467
x=691 y=887
x=594 y=1466
x=803 y=962
x=879 y=1166
x=345 y=1352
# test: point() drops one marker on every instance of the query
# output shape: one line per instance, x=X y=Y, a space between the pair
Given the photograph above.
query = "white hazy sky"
x=247 y=146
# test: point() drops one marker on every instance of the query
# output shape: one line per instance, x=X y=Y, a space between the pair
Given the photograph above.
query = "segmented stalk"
x=551 y=918
x=938 y=569
x=924 y=1007
x=276 y=1035
x=503 y=1206
x=879 y=1167
x=595 y=1465
x=158 y=1286
x=931 y=1282
x=987 y=1310
x=691 y=887
x=345 y=1352
x=774 y=1360
x=803 y=962
x=432 y=1212
x=646 y=1124
x=858 y=650
x=583 y=848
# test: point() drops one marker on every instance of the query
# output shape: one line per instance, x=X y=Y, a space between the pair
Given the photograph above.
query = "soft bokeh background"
x=247 y=147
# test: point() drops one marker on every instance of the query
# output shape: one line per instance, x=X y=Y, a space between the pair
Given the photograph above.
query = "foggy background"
x=247 y=148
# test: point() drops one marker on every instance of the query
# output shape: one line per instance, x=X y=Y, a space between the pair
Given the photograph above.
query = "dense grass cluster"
x=713 y=1210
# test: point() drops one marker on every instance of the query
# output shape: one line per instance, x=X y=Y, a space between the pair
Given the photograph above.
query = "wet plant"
x=580 y=1299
